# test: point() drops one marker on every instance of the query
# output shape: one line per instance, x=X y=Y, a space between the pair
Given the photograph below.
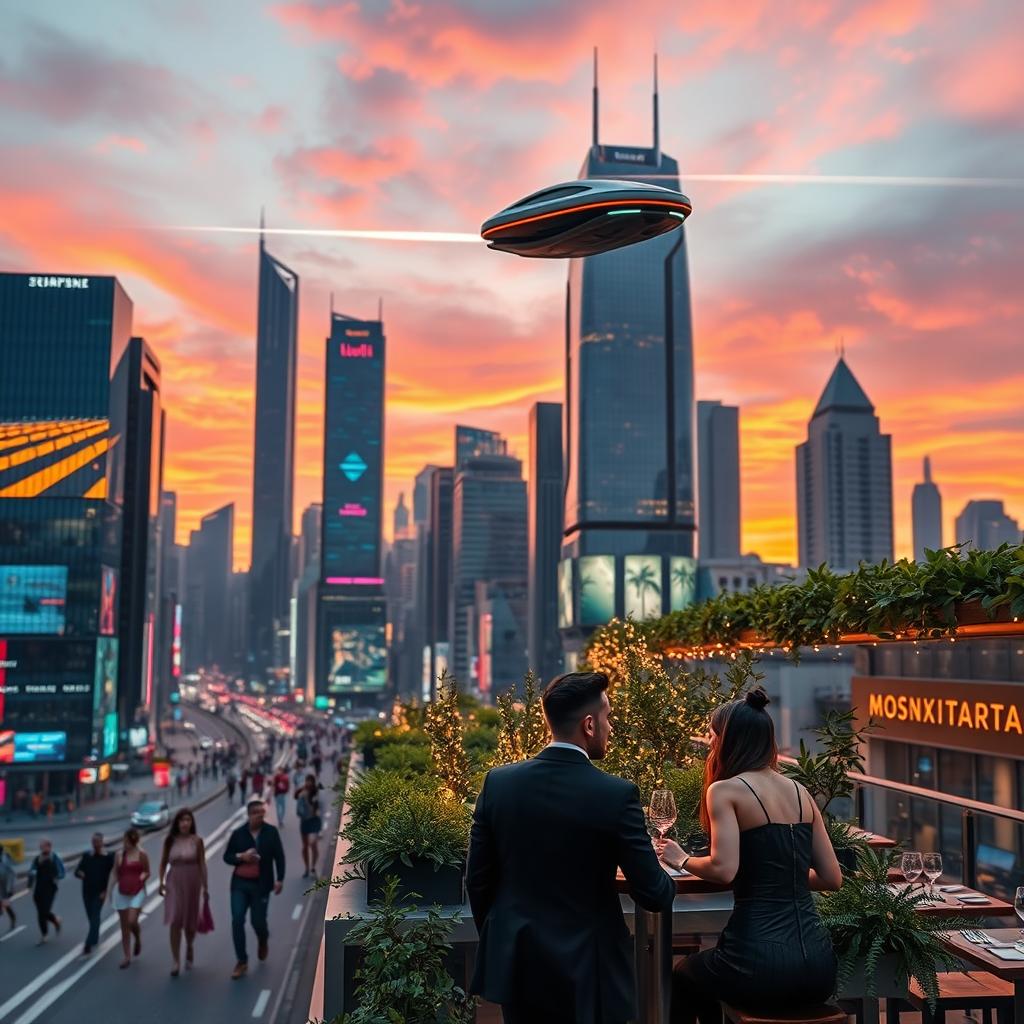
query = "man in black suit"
x=255 y=852
x=547 y=836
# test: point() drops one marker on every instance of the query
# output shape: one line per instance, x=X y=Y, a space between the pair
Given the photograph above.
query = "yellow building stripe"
x=23 y=455
x=34 y=485
x=98 y=489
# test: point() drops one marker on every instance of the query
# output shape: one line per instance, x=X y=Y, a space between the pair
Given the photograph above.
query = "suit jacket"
x=547 y=837
x=268 y=847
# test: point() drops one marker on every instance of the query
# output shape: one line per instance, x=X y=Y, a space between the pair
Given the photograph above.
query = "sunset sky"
x=120 y=120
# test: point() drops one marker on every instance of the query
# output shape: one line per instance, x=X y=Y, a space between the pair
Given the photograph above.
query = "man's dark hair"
x=567 y=698
x=251 y=804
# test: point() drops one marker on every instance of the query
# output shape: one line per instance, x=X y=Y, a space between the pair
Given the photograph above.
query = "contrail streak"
x=876 y=180
x=373 y=236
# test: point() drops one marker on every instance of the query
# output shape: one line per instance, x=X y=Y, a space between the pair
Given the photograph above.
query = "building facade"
x=546 y=490
x=629 y=423
x=985 y=525
x=844 y=480
x=718 y=471
x=926 y=509
x=273 y=464
x=207 y=613
x=472 y=442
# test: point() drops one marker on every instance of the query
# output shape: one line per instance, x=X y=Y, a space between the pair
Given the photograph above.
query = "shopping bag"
x=205 y=923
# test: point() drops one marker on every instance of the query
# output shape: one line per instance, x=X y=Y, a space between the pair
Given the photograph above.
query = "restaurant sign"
x=983 y=717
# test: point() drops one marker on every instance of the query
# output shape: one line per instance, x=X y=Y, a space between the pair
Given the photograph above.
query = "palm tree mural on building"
x=683 y=583
x=644 y=577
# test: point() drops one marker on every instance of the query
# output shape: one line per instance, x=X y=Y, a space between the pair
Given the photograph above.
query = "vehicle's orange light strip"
x=675 y=204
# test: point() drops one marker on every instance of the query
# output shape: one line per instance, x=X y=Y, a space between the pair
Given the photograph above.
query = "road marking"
x=21 y=928
x=296 y=913
x=261 y=1003
x=32 y=987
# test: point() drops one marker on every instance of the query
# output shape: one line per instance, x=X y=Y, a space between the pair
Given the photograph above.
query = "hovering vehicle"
x=151 y=814
x=585 y=217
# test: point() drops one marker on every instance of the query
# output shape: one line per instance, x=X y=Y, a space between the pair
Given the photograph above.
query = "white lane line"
x=21 y=928
x=32 y=987
x=261 y=1003
x=296 y=913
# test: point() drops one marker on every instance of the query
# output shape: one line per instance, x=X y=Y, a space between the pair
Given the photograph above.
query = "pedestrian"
x=8 y=883
x=46 y=871
x=258 y=782
x=184 y=885
x=282 y=788
x=131 y=869
x=257 y=856
x=307 y=807
x=317 y=762
x=230 y=781
x=94 y=870
x=298 y=775
x=242 y=784
x=189 y=780
x=37 y=803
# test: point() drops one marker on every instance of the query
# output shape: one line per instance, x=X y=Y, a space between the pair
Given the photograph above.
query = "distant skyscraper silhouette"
x=400 y=522
x=985 y=525
x=718 y=468
x=844 y=479
x=273 y=462
x=926 y=505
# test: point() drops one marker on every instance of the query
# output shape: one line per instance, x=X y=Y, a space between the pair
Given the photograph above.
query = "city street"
x=56 y=984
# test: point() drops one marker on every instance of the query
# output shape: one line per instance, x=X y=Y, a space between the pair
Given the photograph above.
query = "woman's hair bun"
x=757 y=699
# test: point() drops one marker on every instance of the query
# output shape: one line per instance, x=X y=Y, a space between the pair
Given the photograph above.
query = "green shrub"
x=406 y=759
x=383 y=788
x=483 y=717
x=687 y=785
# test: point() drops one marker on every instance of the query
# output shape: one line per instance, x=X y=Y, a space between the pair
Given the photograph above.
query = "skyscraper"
x=473 y=441
x=488 y=545
x=207 y=612
x=312 y=528
x=64 y=430
x=985 y=525
x=844 y=479
x=544 y=538
x=718 y=468
x=400 y=522
x=351 y=646
x=273 y=462
x=926 y=504
x=629 y=397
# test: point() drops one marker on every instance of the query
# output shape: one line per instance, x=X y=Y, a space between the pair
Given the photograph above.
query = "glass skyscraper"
x=629 y=426
x=273 y=463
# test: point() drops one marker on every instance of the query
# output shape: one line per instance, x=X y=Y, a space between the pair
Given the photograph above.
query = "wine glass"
x=912 y=866
x=662 y=811
x=932 y=865
x=1018 y=906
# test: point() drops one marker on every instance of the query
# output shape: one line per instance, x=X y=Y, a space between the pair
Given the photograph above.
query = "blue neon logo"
x=352 y=466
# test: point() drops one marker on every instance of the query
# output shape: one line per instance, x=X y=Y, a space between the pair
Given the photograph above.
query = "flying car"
x=584 y=218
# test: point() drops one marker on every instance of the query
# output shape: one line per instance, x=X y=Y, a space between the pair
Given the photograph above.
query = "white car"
x=205 y=743
x=151 y=814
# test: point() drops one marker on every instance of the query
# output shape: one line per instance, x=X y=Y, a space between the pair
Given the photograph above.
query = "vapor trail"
x=376 y=236
x=876 y=180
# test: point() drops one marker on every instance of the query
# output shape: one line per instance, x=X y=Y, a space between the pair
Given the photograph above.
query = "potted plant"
x=402 y=975
x=880 y=939
x=420 y=836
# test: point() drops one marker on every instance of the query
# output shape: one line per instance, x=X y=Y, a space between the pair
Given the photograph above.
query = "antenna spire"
x=927 y=469
x=594 y=126
x=332 y=304
x=380 y=309
x=262 y=225
x=657 y=127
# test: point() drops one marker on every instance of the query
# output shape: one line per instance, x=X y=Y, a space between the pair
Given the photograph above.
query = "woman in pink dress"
x=183 y=885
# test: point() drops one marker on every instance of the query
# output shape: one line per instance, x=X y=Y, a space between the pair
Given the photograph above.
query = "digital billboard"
x=565 y=593
x=353 y=452
x=596 y=589
x=33 y=598
x=104 y=693
x=32 y=747
x=357 y=658
x=642 y=586
x=682 y=582
x=108 y=601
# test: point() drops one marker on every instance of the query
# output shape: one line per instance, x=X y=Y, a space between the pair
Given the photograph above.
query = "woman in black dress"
x=769 y=842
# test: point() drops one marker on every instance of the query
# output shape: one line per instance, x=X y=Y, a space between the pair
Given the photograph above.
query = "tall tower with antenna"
x=629 y=410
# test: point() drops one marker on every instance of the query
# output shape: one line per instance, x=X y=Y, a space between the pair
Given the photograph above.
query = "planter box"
x=890 y=983
x=443 y=886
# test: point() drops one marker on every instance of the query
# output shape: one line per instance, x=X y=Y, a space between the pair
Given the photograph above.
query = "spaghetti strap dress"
x=774 y=951
x=183 y=884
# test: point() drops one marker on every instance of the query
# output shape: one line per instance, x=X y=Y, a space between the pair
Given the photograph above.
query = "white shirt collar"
x=568 y=746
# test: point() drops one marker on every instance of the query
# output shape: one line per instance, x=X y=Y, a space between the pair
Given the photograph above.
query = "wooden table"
x=979 y=956
x=952 y=907
x=875 y=841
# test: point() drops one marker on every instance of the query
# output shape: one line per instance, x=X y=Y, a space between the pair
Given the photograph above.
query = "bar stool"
x=972 y=990
x=821 y=1013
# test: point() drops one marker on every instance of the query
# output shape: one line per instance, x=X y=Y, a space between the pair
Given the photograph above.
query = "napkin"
x=1007 y=954
x=974 y=899
x=950 y=888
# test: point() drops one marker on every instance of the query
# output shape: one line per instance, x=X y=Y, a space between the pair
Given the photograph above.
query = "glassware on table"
x=1018 y=906
x=912 y=866
x=661 y=812
x=932 y=866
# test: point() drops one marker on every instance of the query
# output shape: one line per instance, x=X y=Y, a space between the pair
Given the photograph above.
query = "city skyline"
x=909 y=291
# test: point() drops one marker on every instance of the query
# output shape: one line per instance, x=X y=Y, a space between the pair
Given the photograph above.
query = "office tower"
x=400 y=522
x=926 y=504
x=629 y=405
x=544 y=538
x=273 y=463
x=500 y=613
x=844 y=480
x=421 y=496
x=718 y=475
x=400 y=588
x=471 y=442
x=312 y=528
x=141 y=610
x=985 y=525
x=208 y=602
x=63 y=435
x=351 y=646
x=488 y=544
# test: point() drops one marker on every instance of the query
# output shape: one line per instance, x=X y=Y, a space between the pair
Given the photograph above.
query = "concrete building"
x=718 y=475
x=926 y=507
x=985 y=525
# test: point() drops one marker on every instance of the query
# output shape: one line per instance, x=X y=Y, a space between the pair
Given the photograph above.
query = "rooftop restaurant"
x=919 y=784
